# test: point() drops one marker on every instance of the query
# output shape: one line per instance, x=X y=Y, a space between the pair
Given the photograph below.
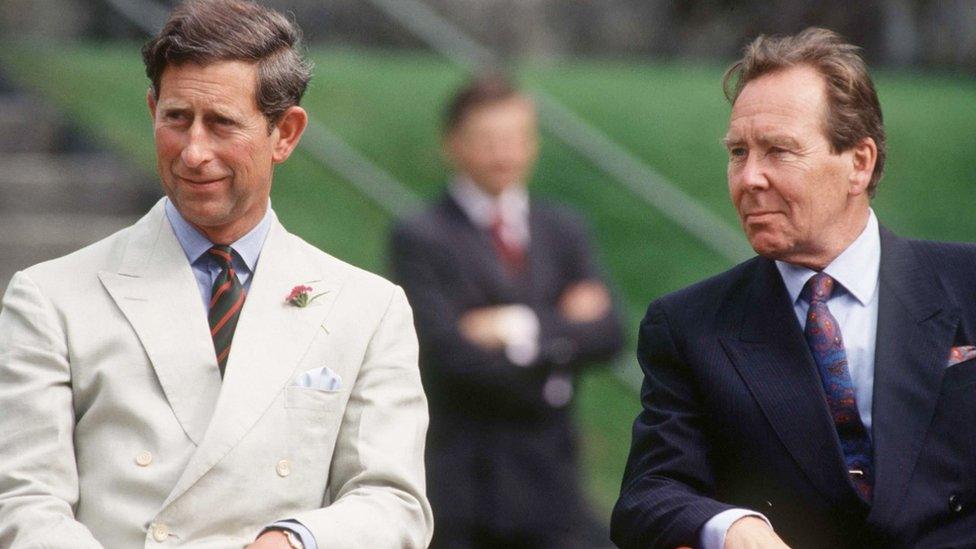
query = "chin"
x=203 y=213
x=772 y=248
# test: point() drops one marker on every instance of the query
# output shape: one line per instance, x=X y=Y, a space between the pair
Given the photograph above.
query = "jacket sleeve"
x=38 y=472
x=377 y=475
x=425 y=269
x=663 y=499
x=574 y=345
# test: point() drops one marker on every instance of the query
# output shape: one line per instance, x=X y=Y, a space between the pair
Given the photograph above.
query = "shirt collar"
x=856 y=268
x=481 y=207
x=194 y=244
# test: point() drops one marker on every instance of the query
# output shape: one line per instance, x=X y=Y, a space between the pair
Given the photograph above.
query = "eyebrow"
x=207 y=113
x=775 y=139
x=779 y=139
x=728 y=142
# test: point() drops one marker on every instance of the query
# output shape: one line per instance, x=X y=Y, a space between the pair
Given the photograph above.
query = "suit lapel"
x=916 y=326
x=539 y=261
x=270 y=341
x=773 y=359
x=476 y=245
x=156 y=291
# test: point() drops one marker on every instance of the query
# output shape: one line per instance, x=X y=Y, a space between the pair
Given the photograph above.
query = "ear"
x=288 y=132
x=151 y=101
x=864 y=155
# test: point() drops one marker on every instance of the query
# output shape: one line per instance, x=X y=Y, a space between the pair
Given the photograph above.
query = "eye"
x=778 y=151
x=737 y=153
x=176 y=116
x=223 y=121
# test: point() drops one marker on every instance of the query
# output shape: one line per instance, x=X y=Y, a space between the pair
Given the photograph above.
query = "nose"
x=197 y=150
x=752 y=175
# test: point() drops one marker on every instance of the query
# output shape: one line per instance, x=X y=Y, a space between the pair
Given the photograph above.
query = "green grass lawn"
x=672 y=116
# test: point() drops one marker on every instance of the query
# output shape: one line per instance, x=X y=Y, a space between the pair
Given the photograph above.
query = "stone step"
x=27 y=125
x=72 y=183
x=26 y=239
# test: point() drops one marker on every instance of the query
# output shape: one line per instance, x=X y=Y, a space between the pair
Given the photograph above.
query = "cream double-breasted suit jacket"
x=117 y=431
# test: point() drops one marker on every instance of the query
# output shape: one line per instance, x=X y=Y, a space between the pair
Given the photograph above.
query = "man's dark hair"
x=493 y=87
x=853 y=109
x=209 y=31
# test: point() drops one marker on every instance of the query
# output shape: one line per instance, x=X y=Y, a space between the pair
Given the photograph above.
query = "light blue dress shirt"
x=855 y=306
x=205 y=267
x=205 y=270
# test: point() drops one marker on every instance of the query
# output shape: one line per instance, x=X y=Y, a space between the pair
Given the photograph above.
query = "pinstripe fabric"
x=225 y=304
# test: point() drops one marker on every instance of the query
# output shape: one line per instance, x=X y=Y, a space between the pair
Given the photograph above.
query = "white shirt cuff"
x=300 y=530
x=518 y=327
x=713 y=532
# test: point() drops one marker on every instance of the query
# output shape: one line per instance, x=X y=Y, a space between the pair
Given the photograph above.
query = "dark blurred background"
x=915 y=33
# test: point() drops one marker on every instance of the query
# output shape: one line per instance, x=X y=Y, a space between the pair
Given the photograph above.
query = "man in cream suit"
x=158 y=389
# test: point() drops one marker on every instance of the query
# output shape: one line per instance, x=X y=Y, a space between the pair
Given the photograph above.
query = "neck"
x=849 y=228
x=233 y=231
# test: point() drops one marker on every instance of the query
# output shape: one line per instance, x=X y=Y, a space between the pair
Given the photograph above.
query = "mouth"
x=200 y=181
x=759 y=217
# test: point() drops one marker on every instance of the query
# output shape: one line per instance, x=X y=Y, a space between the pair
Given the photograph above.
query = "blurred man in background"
x=510 y=306
x=159 y=388
x=821 y=394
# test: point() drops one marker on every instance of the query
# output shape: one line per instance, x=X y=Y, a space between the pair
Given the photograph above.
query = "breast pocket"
x=960 y=376
x=313 y=400
x=314 y=418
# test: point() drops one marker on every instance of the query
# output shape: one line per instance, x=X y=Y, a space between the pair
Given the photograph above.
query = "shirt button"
x=283 y=468
x=160 y=532
x=955 y=505
x=144 y=459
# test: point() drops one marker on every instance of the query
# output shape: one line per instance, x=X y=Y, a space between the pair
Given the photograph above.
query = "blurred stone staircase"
x=58 y=190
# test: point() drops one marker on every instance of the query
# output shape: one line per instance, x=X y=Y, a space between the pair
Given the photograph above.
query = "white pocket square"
x=323 y=379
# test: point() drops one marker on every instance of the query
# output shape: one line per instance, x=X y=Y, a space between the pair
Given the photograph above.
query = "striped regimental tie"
x=824 y=337
x=225 y=304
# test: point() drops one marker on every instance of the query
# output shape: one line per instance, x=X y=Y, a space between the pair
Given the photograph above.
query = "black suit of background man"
x=501 y=463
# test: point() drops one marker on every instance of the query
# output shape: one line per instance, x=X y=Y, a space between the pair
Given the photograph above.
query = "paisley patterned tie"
x=225 y=304
x=823 y=336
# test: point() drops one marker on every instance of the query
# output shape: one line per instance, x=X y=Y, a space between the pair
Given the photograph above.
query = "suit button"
x=144 y=459
x=283 y=468
x=159 y=532
x=769 y=503
x=955 y=503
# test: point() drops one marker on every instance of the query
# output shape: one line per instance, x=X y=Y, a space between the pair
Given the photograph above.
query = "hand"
x=585 y=302
x=481 y=327
x=272 y=539
x=752 y=533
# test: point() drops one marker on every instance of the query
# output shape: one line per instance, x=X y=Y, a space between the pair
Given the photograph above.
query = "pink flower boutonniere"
x=300 y=296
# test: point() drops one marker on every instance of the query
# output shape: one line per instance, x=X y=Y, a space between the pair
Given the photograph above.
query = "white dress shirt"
x=512 y=205
x=518 y=325
x=854 y=304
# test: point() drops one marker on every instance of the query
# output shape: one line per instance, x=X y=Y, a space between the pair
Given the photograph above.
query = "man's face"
x=496 y=144
x=214 y=153
x=797 y=201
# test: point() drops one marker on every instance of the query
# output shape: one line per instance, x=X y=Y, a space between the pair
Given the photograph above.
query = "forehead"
x=229 y=84
x=513 y=110
x=791 y=101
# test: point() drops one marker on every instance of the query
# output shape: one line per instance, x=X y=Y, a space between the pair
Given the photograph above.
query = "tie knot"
x=818 y=288
x=223 y=255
